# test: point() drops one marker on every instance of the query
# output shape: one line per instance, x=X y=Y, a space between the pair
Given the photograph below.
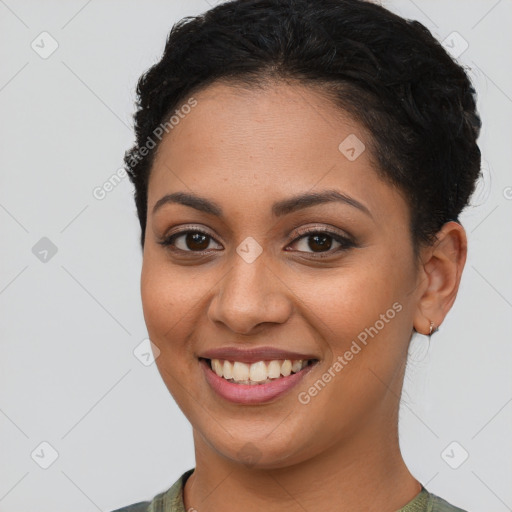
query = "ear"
x=440 y=273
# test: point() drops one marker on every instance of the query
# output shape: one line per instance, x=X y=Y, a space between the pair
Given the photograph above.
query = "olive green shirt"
x=172 y=501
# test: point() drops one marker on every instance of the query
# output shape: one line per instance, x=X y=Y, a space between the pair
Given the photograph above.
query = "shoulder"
x=427 y=501
x=167 y=501
x=136 y=507
x=437 y=504
x=155 y=505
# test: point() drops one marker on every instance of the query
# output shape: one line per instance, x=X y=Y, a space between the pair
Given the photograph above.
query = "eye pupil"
x=197 y=238
x=323 y=244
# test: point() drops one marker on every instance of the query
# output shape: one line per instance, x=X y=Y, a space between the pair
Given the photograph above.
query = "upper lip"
x=253 y=355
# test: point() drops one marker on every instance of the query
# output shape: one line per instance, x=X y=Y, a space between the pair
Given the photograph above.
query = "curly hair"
x=390 y=74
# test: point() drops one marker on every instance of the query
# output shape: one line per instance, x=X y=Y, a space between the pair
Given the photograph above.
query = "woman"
x=299 y=171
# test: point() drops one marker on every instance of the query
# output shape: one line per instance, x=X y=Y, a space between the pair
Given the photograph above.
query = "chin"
x=257 y=453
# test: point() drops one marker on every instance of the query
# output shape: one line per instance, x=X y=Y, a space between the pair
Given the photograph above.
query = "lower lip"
x=252 y=393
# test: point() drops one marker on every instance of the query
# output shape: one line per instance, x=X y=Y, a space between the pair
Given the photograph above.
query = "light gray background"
x=69 y=326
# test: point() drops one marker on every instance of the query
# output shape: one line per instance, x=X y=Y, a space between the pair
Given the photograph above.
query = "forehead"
x=264 y=144
x=282 y=120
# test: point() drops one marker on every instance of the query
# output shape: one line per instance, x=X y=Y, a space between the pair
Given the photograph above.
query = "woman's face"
x=258 y=273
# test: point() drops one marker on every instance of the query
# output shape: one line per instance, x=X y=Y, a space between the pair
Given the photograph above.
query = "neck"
x=365 y=472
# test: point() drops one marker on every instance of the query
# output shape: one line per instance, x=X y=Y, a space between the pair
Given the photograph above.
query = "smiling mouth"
x=260 y=372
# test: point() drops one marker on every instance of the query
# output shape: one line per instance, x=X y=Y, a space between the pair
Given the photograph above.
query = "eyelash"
x=345 y=242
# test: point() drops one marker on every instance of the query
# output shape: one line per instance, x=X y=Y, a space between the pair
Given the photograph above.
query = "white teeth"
x=297 y=366
x=286 y=368
x=240 y=371
x=274 y=369
x=217 y=367
x=227 y=370
x=259 y=372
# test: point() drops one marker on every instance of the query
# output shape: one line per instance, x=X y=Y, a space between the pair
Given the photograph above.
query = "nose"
x=250 y=295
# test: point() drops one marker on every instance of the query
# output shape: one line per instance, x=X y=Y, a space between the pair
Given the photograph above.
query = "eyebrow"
x=280 y=208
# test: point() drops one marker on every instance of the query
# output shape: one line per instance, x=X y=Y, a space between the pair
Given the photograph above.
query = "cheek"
x=157 y=299
x=166 y=321
x=362 y=319
x=166 y=292
x=164 y=309
x=349 y=300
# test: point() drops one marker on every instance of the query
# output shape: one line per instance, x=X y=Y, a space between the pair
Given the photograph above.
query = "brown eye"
x=196 y=241
x=188 y=241
x=319 y=242
x=316 y=242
